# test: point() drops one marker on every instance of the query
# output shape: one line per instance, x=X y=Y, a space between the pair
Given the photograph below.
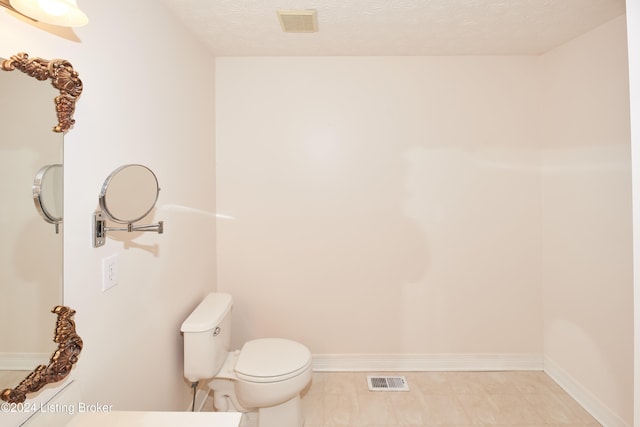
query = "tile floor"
x=444 y=399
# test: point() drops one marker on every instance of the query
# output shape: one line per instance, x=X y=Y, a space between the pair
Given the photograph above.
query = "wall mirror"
x=31 y=272
x=128 y=195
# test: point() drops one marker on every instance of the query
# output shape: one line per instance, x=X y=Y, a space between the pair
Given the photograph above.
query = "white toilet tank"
x=207 y=334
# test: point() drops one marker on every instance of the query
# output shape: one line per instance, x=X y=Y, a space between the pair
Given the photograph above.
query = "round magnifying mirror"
x=129 y=193
x=47 y=193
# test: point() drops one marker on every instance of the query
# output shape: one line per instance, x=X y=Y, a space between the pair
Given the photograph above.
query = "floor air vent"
x=387 y=383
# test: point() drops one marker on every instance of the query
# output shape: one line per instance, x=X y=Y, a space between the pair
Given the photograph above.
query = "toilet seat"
x=267 y=360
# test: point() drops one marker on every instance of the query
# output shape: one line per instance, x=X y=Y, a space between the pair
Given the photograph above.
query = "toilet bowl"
x=263 y=379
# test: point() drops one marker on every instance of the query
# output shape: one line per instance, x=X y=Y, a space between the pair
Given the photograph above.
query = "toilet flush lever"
x=216 y=331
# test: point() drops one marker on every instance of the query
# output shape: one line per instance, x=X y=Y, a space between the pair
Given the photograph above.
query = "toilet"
x=263 y=379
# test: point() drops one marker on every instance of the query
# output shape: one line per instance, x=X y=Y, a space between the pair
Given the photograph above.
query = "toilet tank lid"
x=208 y=314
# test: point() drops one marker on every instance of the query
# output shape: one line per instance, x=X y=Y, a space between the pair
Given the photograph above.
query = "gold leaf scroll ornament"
x=63 y=77
x=60 y=363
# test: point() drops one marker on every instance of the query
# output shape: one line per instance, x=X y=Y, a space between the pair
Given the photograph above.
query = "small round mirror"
x=47 y=193
x=129 y=193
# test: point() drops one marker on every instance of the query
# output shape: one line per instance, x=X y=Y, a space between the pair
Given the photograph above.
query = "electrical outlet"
x=109 y=272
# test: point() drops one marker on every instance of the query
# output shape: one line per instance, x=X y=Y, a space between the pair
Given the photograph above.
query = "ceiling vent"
x=298 y=21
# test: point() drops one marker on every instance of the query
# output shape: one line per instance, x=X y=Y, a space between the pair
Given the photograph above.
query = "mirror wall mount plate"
x=60 y=363
x=128 y=194
x=63 y=77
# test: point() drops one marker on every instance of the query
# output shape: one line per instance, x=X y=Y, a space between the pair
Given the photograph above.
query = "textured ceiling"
x=394 y=27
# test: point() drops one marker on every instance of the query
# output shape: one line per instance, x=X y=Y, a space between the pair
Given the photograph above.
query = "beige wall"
x=381 y=205
x=586 y=187
x=148 y=98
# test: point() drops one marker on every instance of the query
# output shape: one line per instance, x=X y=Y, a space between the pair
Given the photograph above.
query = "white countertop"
x=156 y=419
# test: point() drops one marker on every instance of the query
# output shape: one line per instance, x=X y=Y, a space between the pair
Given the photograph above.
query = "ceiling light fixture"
x=65 y=13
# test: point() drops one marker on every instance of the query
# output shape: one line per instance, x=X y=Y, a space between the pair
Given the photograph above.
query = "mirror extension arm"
x=100 y=228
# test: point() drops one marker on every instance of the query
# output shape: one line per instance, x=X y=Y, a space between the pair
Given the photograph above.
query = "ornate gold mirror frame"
x=65 y=79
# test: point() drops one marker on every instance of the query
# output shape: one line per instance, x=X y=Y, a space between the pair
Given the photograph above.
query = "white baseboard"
x=583 y=396
x=22 y=361
x=426 y=362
